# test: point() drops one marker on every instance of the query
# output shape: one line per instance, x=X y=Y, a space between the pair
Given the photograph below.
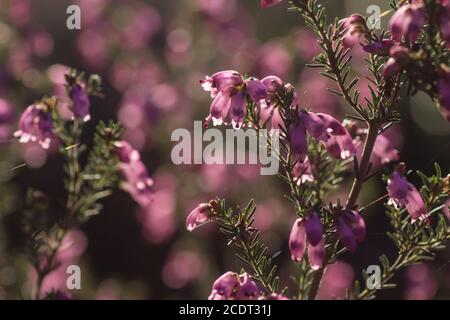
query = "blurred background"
x=151 y=55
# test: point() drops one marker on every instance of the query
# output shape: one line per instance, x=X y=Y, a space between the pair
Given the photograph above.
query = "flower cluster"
x=420 y=59
x=230 y=92
x=232 y=286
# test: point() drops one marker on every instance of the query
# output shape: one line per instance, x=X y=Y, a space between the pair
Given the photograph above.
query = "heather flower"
x=136 y=182
x=238 y=109
x=80 y=102
x=339 y=143
x=220 y=107
x=299 y=144
x=257 y=91
x=354 y=28
x=230 y=96
x=221 y=81
x=302 y=171
x=380 y=48
x=36 y=124
x=269 y=3
x=399 y=59
x=383 y=150
x=231 y=286
x=201 y=215
x=125 y=152
x=308 y=233
x=224 y=287
x=407 y=22
x=351 y=229
x=248 y=289
x=404 y=194
x=443 y=86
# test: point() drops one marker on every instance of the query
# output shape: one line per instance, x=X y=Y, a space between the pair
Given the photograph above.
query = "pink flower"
x=404 y=194
x=248 y=289
x=269 y=3
x=383 y=151
x=308 y=232
x=299 y=144
x=232 y=286
x=137 y=182
x=302 y=171
x=36 y=124
x=407 y=22
x=399 y=59
x=221 y=81
x=125 y=152
x=80 y=102
x=230 y=96
x=339 y=143
x=199 y=216
x=257 y=91
x=351 y=229
x=354 y=28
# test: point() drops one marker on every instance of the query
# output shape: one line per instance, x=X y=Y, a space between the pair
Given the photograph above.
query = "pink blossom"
x=224 y=287
x=199 y=216
x=404 y=194
x=354 y=28
x=302 y=171
x=136 y=179
x=307 y=233
x=36 y=124
x=407 y=22
x=337 y=279
x=231 y=286
x=420 y=282
x=399 y=59
x=80 y=102
x=351 y=229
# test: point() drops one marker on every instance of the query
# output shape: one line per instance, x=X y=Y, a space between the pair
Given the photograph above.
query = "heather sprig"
x=316 y=149
x=90 y=175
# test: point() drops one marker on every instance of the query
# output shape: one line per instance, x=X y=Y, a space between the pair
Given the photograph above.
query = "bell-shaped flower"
x=302 y=171
x=407 y=22
x=354 y=27
x=80 y=102
x=404 y=194
x=225 y=286
x=221 y=81
x=36 y=124
x=340 y=142
x=201 y=215
x=351 y=229
x=399 y=60
x=308 y=233
x=248 y=289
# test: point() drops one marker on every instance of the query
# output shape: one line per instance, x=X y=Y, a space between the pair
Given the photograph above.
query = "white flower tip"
x=217 y=121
